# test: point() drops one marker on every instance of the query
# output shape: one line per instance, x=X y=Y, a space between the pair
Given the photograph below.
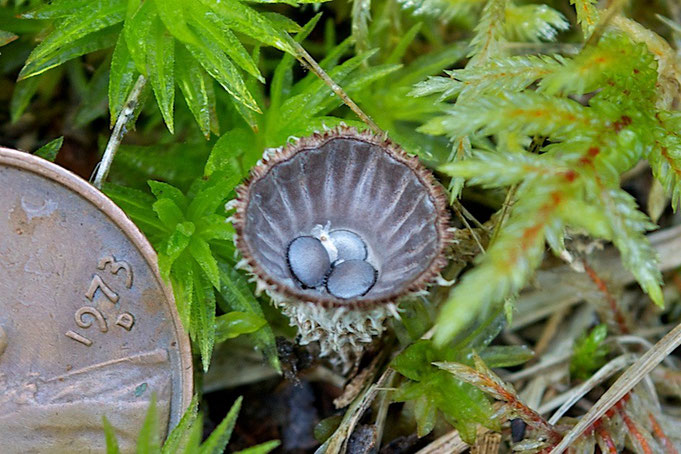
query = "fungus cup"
x=336 y=228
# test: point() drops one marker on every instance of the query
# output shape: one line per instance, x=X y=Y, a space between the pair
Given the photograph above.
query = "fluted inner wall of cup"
x=348 y=184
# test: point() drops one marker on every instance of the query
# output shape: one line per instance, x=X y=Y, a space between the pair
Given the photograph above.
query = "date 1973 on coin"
x=87 y=315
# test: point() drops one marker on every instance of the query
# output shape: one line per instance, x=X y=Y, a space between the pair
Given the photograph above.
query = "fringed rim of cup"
x=272 y=157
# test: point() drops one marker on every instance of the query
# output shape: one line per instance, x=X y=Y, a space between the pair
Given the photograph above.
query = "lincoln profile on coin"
x=337 y=228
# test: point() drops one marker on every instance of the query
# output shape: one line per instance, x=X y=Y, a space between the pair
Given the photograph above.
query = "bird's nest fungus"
x=336 y=228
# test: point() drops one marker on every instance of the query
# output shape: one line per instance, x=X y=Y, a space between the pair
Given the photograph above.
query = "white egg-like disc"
x=351 y=279
x=349 y=245
x=308 y=260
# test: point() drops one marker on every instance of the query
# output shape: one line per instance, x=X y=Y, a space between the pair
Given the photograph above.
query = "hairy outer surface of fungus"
x=349 y=181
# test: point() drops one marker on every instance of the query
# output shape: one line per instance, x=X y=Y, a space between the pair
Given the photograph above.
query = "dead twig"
x=337 y=443
x=306 y=59
x=120 y=128
x=547 y=334
x=450 y=443
x=605 y=372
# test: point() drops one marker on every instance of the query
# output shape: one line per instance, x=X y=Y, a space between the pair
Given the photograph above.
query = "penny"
x=87 y=327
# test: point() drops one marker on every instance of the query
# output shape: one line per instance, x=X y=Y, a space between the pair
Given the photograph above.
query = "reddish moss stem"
x=606 y=437
x=660 y=435
x=633 y=430
x=528 y=415
x=612 y=302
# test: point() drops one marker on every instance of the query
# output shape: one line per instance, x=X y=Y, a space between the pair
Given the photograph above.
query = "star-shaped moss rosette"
x=336 y=228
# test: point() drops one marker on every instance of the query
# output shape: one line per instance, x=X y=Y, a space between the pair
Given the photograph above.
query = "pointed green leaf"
x=201 y=252
x=282 y=79
x=587 y=15
x=178 y=241
x=589 y=353
x=110 y=437
x=282 y=22
x=425 y=411
x=403 y=44
x=178 y=438
x=202 y=320
x=262 y=448
x=94 y=99
x=232 y=144
x=248 y=21
x=56 y=9
x=506 y=355
x=489 y=32
x=464 y=407
x=121 y=79
x=628 y=225
x=166 y=191
x=161 y=69
x=137 y=205
x=413 y=362
x=194 y=85
x=212 y=194
x=195 y=437
x=238 y=296
x=216 y=227
x=234 y=324
x=248 y=115
x=136 y=31
x=168 y=212
x=148 y=441
x=49 y=150
x=182 y=278
x=218 y=30
x=6 y=37
x=101 y=39
x=217 y=441
x=173 y=16
x=87 y=19
x=216 y=63
x=24 y=90
x=172 y=248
